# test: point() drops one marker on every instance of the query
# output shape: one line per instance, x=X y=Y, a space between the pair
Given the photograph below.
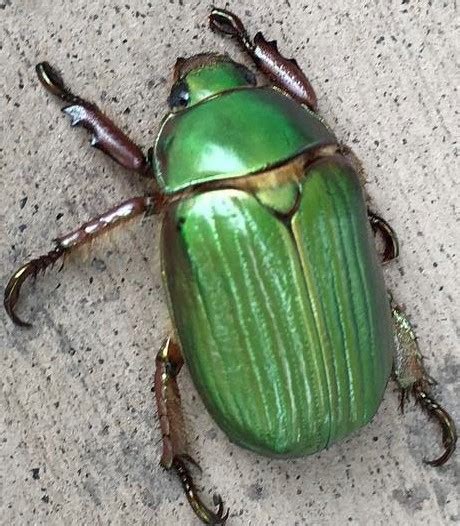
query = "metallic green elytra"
x=275 y=291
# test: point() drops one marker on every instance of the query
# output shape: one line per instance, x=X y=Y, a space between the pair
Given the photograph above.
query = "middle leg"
x=378 y=224
x=69 y=243
x=390 y=240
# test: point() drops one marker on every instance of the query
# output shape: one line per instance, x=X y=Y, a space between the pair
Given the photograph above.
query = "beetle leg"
x=283 y=72
x=412 y=377
x=379 y=225
x=106 y=136
x=72 y=241
x=390 y=240
x=169 y=362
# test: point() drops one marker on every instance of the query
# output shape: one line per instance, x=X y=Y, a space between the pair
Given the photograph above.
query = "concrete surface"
x=79 y=441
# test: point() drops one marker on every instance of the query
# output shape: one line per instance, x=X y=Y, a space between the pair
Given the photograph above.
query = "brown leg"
x=169 y=362
x=379 y=225
x=70 y=242
x=106 y=136
x=390 y=240
x=412 y=377
x=283 y=72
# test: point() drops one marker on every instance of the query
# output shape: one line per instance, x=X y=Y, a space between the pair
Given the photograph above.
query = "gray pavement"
x=79 y=443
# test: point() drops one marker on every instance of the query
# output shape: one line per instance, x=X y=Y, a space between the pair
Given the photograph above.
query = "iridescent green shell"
x=233 y=134
x=284 y=321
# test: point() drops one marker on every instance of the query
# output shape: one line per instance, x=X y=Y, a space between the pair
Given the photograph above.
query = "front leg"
x=106 y=135
x=169 y=362
x=69 y=243
x=412 y=377
x=283 y=72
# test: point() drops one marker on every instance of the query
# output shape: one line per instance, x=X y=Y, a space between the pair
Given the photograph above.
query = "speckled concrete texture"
x=79 y=443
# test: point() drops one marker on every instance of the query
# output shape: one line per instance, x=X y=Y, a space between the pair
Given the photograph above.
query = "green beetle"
x=275 y=289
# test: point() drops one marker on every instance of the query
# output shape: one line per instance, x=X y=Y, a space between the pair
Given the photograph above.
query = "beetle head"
x=204 y=75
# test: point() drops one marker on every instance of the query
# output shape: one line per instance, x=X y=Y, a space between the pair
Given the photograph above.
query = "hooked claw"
x=53 y=82
x=205 y=514
x=449 y=432
x=13 y=288
x=390 y=240
x=225 y=22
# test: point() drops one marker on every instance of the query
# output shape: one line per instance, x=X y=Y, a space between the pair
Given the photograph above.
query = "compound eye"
x=179 y=96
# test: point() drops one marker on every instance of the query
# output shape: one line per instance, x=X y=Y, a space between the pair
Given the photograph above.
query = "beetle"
x=272 y=277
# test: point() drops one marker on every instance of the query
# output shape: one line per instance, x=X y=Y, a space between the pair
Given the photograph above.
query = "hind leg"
x=169 y=362
x=412 y=378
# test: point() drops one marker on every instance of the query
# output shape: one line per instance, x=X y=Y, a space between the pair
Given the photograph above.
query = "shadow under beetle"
x=274 y=286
